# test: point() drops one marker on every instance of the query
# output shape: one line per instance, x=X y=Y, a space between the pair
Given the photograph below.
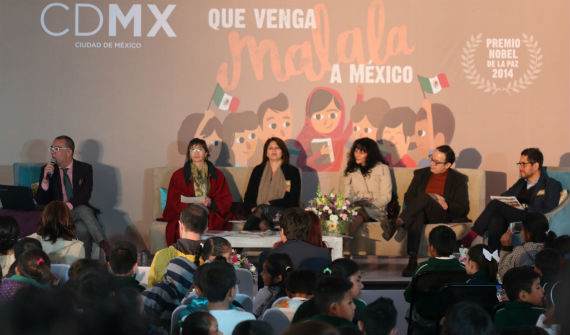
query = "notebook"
x=17 y=198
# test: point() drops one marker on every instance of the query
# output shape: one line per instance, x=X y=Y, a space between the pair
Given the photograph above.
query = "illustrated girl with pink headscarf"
x=323 y=136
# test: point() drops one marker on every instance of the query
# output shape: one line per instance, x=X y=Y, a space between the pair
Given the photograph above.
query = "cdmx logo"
x=115 y=14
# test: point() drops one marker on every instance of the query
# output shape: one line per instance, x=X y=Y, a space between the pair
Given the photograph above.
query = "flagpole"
x=419 y=82
x=212 y=98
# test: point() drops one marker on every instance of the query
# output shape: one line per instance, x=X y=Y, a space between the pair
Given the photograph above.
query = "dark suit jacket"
x=82 y=185
x=545 y=196
x=454 y=192
x=305 y=255
x=291 y=198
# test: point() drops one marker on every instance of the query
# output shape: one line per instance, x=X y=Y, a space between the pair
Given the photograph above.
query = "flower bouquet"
x=334 y=211
x=241 y=261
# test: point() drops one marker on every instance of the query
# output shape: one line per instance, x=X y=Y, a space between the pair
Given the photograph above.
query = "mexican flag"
x=225 y=101
x=435 y=84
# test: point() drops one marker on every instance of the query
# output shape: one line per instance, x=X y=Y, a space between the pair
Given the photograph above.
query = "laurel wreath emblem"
x=513 y=86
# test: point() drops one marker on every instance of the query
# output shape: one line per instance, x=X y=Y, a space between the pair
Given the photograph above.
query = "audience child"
x=562 y=245
x=334 y=302
x=216 y=246
x=200 y=323
x=275 y=269
x=533 y=232
x=192 y=224
x=253 y=327
x=123 y=264
x=481 y=265
x=467 y=318
x=547 y=265
x=198 y=300
x=315 y=236
x=32 y=269
x=343 y=268
x=379 y=318
x=442 y=242
x=9 y=233
x=161 y=299
x=56 y=233
x=526 y=298
x=313 y=327
x=300 y=285
x=219 y=285
x=22 y=245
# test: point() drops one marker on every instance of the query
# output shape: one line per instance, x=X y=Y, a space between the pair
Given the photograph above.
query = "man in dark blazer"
x=295 y=226
x=534 y=190
x=71 y=181
x=437 y=194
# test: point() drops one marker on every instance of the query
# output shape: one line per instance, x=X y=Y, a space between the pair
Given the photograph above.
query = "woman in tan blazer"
x=367 y=182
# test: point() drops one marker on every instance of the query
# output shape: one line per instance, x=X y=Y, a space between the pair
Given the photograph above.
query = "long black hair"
x=374 y=157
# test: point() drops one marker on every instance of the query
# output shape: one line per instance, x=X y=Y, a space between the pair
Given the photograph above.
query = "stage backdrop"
x=133 y=81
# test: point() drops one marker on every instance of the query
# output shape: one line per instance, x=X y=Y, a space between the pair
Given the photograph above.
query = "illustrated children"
x=240 y=134
x=434 y=127
x=324 y=135
x=397 y=132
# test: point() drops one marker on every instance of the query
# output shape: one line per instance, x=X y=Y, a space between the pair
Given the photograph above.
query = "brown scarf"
x=271 y=188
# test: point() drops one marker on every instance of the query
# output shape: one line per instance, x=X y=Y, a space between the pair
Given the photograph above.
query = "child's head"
x=25 y=244
x=534 y=227
x=523 y=284
x=301 y=283
x=83 y=265
x=480 y=258
x=200 y=323
x=217 y=280
x=123 y=258
x=253 y=327
x=349 y=270
x=34 y=264
x=547 y=264
x=442 y=241
x=333 y=298
x=275 y=268
x=216 y=246
x=379 y=317
x=9 y=232
x=467 y=318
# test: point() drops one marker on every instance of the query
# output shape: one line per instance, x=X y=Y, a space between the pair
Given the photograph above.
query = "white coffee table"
x=266 y=240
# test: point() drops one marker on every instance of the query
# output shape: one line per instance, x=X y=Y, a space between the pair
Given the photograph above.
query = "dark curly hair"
x=374 y=157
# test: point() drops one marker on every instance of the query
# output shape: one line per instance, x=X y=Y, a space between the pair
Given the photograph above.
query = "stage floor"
x=381 y=272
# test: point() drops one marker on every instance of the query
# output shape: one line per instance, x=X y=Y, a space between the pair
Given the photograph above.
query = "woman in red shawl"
x=324 y=124
x=198 y=178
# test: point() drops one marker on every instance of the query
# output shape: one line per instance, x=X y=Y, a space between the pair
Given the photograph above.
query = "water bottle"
x=500 y=292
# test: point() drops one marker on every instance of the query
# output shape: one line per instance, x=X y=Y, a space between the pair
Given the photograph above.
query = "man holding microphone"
x=71 y=181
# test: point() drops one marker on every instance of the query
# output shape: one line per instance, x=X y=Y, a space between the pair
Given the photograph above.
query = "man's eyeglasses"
x=435 y=162
x=523 y=164
x=57 y=149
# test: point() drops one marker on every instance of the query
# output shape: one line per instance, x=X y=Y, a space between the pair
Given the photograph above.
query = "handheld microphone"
x=53 y=161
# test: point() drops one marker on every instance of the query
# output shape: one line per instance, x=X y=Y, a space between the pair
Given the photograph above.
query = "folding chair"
x=245 y=301
x=245 y=281
x=174 y=328
x=277 y=319
x=423 y=315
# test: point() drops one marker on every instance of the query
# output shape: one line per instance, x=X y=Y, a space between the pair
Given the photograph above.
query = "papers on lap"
x=190 y=200
x=509 y=200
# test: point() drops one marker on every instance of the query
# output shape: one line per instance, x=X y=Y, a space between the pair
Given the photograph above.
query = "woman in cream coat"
x=367 y=182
